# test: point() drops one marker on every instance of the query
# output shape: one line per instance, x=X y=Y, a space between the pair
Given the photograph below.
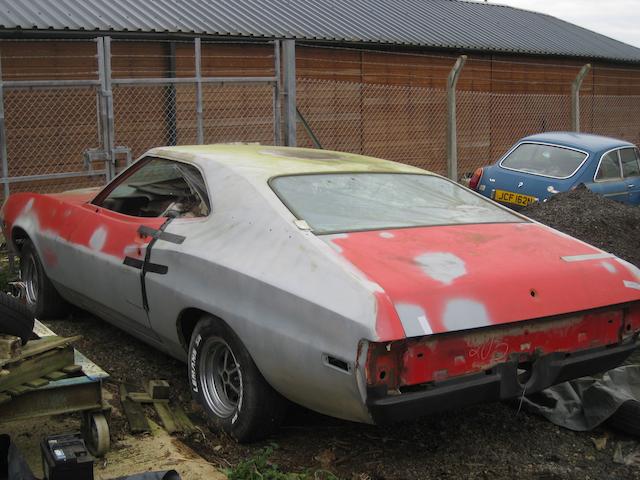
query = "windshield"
x=547 y=160
x=343 y=202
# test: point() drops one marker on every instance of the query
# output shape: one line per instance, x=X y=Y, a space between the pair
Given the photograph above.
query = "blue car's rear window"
x=542 y=159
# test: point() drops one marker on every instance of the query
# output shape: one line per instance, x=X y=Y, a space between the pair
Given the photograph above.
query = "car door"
x=119 y=229
x=608 y=180
x=629 y=158
x=104 y=238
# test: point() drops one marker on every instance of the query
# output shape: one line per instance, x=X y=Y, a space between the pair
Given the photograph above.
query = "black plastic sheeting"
x=587 y=402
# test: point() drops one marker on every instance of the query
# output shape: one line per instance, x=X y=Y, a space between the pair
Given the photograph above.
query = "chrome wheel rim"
x=221 y=377
x=30 y=279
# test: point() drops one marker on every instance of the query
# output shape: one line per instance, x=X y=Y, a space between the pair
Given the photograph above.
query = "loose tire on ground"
x=226 y=382
x=627 y=418
x=15 y=318
x=42 y=298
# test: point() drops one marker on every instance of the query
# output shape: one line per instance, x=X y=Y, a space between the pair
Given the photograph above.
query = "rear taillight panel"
x=416 y=361
x=475 y=179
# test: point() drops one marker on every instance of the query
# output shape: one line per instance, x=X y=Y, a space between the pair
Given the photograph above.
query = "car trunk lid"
x=459 y=277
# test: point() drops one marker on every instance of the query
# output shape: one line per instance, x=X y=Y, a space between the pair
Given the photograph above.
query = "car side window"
x=609 y=167
x=159 y=188
x=629 y=160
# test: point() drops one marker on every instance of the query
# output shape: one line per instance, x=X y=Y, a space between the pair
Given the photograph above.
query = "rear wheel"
x=40 y=294
x=226 y=382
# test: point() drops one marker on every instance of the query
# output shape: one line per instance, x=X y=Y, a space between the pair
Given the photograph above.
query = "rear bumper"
x=499 y=383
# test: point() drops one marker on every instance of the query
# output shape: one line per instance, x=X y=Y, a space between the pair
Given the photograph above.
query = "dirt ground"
x=491 y=441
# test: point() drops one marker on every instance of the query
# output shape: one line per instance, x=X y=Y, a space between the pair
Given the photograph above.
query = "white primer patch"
x=334 y=245
x=634 y=285
x=28 y=206
x=609 y=267
x=414 y=320
x=387 y=235
x=98 y=239
x=443 y=267
x=583 y=258
x=635 y=271
x=462 y=314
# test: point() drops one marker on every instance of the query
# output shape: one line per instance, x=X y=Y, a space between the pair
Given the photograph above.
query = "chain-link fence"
x=73 y=120
x=395 y=122
x=78 y=119
x=490 y=123
x=612 y=115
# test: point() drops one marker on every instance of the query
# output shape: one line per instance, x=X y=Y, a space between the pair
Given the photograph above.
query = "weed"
x=259 y=467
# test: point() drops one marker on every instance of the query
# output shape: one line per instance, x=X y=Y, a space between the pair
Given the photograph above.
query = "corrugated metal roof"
x=454 y=24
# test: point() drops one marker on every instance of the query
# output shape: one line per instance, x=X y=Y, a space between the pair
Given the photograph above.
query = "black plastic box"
x=65 y=457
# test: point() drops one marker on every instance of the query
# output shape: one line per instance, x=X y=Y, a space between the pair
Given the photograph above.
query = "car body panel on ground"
x=539 y=166
x=317 y=312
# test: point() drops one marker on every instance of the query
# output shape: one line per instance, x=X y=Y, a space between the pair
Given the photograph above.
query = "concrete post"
x=199 y=109
x=575 y=97
x=277 y=92
x=289 y=71
x=452 y=145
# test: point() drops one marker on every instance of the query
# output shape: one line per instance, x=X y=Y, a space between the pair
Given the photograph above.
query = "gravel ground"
x=611 y=226
x=492 y=441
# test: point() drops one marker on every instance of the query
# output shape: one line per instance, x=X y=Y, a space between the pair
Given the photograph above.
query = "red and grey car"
x=360 y=288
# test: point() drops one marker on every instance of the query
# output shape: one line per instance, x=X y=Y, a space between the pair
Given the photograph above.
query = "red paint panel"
x=433 y=358
x=510 y=272
x=72 y=220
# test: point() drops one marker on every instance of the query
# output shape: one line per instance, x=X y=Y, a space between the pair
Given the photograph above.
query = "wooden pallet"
x=35 y=364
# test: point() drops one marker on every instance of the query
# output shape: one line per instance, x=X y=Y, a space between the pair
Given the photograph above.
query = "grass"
x=259 y=467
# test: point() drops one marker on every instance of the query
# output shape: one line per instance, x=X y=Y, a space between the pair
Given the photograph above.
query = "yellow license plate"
x=513 y=198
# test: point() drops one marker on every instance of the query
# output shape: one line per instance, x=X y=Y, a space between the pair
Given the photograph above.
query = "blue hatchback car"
x=538 y=166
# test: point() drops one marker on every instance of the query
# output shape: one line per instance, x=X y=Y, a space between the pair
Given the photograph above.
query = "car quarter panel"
x=283 y=291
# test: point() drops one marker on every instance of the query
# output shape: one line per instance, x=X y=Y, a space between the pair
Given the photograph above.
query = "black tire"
x=15 y=318
x=41 y=296
x=253 y=412
x=627 y=418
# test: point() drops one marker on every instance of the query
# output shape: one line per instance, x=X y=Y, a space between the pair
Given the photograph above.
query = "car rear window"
x=546 y=160
x=343 y=202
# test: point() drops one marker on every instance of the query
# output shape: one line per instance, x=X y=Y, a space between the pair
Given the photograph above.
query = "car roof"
x=581 y=141
x=254 y=160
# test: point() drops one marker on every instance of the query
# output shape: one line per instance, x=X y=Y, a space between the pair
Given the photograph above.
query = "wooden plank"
x=36 y=367
x=167 y=418
x=57 y=375
x=72 y=369
x=138 y=423
x=36 y=347
x=10 y=347
x=139 y=397
x=19 y=390
x=158 y=389
x=183 y=421
x=37 y=383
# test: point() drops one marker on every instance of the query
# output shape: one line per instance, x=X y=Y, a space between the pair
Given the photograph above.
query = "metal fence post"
x=277 y=90
x=290 y=116
x=199 y=110
x=106 y=105
x=3 y=139
x=452 y=145
x=575 y=97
